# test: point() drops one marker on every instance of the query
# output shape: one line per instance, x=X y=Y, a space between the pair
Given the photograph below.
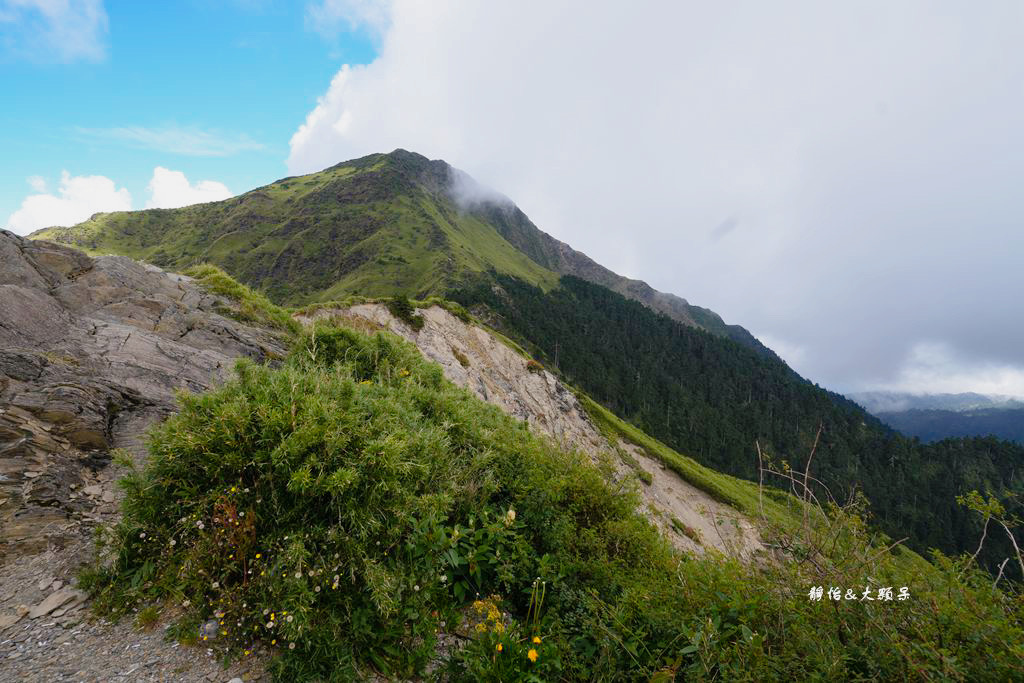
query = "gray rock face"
x=91 y=353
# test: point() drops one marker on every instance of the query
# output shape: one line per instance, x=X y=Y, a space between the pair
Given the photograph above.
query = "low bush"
x=403 y=309
x=250 y=305
x=341 y=509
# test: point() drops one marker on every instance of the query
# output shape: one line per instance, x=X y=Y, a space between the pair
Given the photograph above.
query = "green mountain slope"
x=377 y=226
x=382 y=225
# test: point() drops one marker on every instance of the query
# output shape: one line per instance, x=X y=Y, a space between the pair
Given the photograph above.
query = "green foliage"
x=713 y=399
x=402 y=308
x=335 y=510
x=533 y=366
x=147 y=617
x=505 y=650
x=251 y=306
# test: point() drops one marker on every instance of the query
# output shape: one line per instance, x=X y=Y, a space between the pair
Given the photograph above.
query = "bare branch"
x=1016 y=548
x=1000 y=575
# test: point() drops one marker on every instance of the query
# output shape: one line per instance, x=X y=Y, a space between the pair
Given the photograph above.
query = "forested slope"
x=714 y=399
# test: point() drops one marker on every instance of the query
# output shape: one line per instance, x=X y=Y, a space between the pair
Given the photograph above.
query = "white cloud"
x=329 y=17
x=842 y=174
x=936 y=368
x=171 y=189
x=188 y=141
x=53 y=30
x=77 y=198
x=794 y=354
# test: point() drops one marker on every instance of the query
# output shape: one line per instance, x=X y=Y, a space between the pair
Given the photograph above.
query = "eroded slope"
x=473 y=358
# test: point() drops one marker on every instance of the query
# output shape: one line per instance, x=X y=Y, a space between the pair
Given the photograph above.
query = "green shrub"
x=337 y=509
x=402 y=308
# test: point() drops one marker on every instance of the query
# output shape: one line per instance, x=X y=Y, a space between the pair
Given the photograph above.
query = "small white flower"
x=289 y=619
x=317 y=589
x=416 y=588
x=216 y=584
x=291 y=646
x=142 y=535
x=173 y=543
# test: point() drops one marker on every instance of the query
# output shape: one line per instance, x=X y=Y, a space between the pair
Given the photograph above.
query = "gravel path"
x=71 y=644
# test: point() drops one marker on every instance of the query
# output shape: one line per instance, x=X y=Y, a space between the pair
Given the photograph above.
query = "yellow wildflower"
x=498 y=647
x=532 y=655
x=536 y=640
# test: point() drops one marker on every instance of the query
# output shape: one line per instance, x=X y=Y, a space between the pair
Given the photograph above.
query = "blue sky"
x=211 y=88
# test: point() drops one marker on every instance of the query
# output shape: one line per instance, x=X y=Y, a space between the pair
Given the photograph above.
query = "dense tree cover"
x=713 y=399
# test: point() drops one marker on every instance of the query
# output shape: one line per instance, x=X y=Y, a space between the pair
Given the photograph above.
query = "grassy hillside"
x=340 y=510
x=377 y=226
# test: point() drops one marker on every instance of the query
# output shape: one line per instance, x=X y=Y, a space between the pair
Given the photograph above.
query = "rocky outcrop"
x=472 y=357
x=91 y=353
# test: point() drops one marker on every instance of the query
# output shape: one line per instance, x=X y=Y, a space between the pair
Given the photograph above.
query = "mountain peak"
x=383 y=224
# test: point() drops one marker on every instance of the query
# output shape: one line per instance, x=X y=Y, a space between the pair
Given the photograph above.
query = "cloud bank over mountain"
x=851 y=198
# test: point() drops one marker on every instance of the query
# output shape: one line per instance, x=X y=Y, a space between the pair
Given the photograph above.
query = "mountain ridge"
x=389 y=209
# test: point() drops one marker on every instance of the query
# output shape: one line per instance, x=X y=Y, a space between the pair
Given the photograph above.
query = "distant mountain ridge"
x=381 y=225
x=934 y=417
x=897 y=401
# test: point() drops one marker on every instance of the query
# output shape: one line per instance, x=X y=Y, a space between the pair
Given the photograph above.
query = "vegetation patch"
x=250 y=306
x=461 y=357
x=686 y=530
x=403 y=309
x=338 y=509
